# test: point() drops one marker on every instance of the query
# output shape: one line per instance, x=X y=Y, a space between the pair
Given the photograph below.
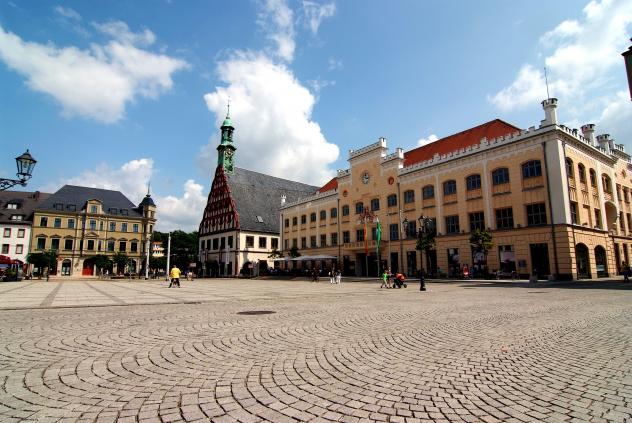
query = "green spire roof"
x=227 y=121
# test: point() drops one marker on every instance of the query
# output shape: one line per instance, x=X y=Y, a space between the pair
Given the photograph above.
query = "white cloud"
x=583 y=62
x=95 y=83
x=315 y=13
x=424 y=141
x=67 y=12
x=132 y=179
x=616 y=117
x=277 y=20
x=271 y=112
x=120 y=31
x=335 y=64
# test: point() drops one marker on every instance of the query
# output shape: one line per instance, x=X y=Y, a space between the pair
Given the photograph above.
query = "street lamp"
x=25 y=164
x=424 y=223
x=627 y=58
x=366 y=217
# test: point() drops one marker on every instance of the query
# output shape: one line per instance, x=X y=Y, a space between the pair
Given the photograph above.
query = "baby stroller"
x=399 y=281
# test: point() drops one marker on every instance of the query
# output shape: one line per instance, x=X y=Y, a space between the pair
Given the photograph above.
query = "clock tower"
x=226 y=149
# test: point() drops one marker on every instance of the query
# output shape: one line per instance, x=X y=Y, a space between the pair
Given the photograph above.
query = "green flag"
x=378 y=235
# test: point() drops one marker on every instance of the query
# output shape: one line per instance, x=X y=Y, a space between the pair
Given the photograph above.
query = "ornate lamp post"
x=424 y=223
x=25 y=164
x=627 y=57
x=365 y=218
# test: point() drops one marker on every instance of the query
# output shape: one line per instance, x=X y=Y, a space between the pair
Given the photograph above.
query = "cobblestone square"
x=461 y=352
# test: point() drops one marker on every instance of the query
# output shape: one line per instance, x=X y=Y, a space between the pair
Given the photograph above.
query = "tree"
x=184 y=246
x=275 y=254
x=101 y=261
x=39 y=260
x=294 y=252
x=158 y=262
x=120 y=259
x=481 y=241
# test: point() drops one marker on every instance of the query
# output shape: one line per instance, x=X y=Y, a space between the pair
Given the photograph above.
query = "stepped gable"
x=256 y=194
x=71 y=195
x=329 y=186
x=472 y=136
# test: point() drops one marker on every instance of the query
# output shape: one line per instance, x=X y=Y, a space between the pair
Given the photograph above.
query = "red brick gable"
x=331 y=185
x=489 y=130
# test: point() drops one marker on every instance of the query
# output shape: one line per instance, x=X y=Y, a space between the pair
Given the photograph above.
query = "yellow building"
x=80 y=223
x=555 y=200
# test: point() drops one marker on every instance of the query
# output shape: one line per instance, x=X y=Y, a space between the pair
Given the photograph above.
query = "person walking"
x=384 y=279
x=626 y=272
x=338 y=276
x=332 y=276
x=174 y=275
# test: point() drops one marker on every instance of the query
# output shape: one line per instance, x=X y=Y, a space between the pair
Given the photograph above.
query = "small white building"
x=16 y=220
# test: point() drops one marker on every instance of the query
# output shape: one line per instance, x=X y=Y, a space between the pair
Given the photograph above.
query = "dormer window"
x=124 y=212
x=93 y=209
x=58 y=206
x=113 y=210
x=13 y=206
x=71 y=207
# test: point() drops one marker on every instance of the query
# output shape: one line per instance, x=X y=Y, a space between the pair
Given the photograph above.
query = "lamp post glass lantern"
x=25 y=164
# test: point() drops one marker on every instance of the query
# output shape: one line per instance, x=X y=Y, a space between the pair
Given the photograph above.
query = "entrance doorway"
x=65 y=267
x=583 y=264
x=88 y=267
x=540 y=260
x=431 y=262
x=394 y=263
x=600 y=262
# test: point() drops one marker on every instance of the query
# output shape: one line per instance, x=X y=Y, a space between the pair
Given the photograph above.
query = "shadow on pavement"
x=586 y=284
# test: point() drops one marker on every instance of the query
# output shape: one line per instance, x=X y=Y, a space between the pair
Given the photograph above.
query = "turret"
x=589 y=132
x=226 y=149
x=550 y=113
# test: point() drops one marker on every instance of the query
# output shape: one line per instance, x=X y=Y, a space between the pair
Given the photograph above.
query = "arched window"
x=409 y=196
x=359 y=208
x=323 y=214
x=333 y=212
x=570 y=169
x=581 y=172
x=345 y=210
x=303 y=219
x=500 y=176
x=449 y=187
x=531 y=169
x=312 y=217
x=391 y=200
x=593 y=178
x=375 y=204
x=427 y=192
x=473 y=182
x=607 y=185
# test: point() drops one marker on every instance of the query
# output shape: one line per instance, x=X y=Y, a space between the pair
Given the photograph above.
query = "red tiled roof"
x=472 y=136
x=332 y=184
x=489 y=130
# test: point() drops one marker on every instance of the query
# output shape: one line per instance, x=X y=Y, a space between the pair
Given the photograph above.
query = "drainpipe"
x=568 y=187
x=548 y=190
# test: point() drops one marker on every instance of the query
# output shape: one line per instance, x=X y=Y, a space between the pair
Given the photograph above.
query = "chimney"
x=605 y=142
x=589 y=132
x=36 y=195
x=283 y=197
x=550 y=114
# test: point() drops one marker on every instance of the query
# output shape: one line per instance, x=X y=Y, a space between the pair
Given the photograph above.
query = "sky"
x=125 y=95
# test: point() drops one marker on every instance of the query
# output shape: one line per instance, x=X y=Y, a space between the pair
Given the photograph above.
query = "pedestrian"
x=338 y=276
x=332 y=276
x=384 y=279
x=174 y=275
x=422 y=281
x=389 y=278
x=626 y=272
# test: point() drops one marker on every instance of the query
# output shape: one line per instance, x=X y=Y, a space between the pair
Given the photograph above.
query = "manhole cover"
x=256 y=312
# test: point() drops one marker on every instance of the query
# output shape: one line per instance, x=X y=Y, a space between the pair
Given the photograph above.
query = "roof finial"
x=546 y=80
x=148 y=186
x=228 y=107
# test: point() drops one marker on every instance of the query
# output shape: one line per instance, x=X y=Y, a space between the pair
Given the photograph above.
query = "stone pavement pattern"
x=351 y=353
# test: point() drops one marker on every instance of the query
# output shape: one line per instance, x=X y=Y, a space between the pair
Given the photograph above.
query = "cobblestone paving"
x=350 y=353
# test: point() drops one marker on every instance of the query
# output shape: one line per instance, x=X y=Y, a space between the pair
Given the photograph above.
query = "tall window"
x=449 y=187
x=21 y=233
x=41 y=243
x=323 y=240
x=312 y=217
x=135 y=227
x=275 y=243
x=536 y=214
x=427 y=192
x=409 y=196
x=123 y=227
x=57 y=222
x=294 y=221
x=477 y=221
x=531 y=169
x=334 y=239
x=473 y=182
x=287 y=223
x=574 y=218
x=93 y=224
x=500 y=176
x=122 y=246
x=375 y=204
x=5 y=248
x=303 y=242
x=323 y=215
x=570 y=168
x=359 y=207
x=581 y=172
x=133 y=247
x=90 y=244
x=303 y=219
x=391 y=200
x=346 y=237
x=71 y=223
x=607 y=186
x=452 y=224
x=112 y=226
x=7 y=233
x=359 y=235
x=333 y=213
x=44 y=221
x=54 y=244
x=250 y=241
x=110 y=246
x=263 y=242
x=504 y=218
x=593 y=178
x=68 y=244
x=19 y=249
x=597 y=218
x=345 y=210
x=393 y=232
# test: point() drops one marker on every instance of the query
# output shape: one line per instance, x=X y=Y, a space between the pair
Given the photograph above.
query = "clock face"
x=366 y=178
x=228 y=152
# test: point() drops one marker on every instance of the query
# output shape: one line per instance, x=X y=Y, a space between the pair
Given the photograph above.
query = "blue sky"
x=115 y=94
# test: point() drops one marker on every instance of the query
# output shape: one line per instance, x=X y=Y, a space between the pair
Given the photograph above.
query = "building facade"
x=239 y=228
x=555 y=200
x=80 y=223
x=16 y=219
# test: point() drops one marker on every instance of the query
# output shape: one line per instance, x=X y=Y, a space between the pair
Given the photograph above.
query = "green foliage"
x=102 y=261
x=426 y=241
x=46 y=259
x=481 y=239
x=275 y=254
x=158 y=262
x=120 y=259
x=294 y=252
x=184 y=246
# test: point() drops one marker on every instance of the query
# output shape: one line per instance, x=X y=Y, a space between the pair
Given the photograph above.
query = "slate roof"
x=27 y=202
x=70 y=195
x=257 y=194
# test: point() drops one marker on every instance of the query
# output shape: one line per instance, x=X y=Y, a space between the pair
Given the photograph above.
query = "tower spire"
x=228 y=107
